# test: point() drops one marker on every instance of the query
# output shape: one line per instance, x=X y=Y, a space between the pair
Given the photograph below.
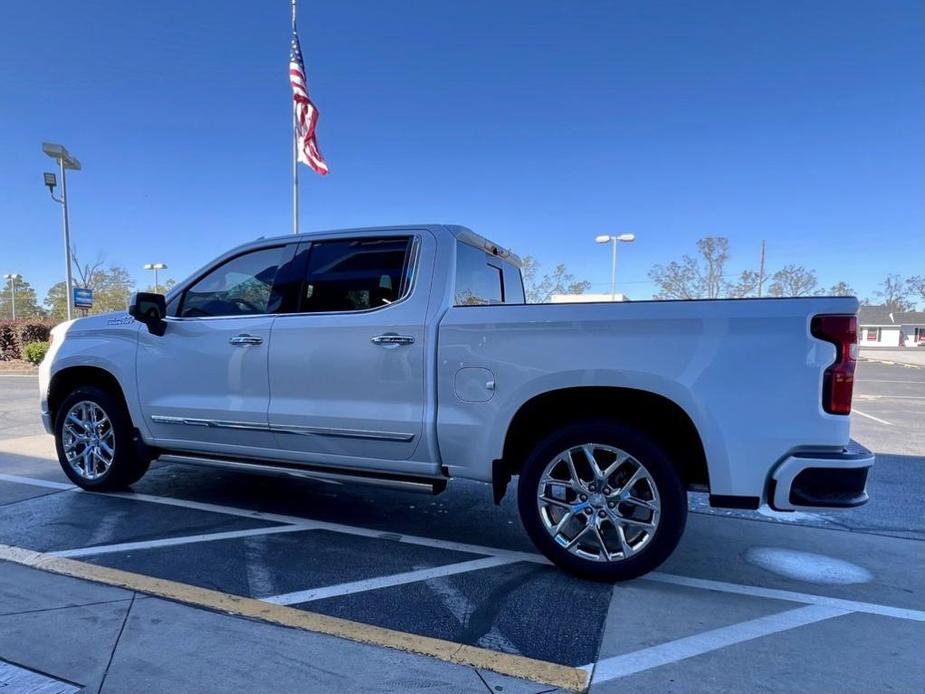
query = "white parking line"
x=854 y=410
x=386 y=581
x=705 y=584
x=182 y=540
x=35 y=482
x=776 y=594
x=698 y=644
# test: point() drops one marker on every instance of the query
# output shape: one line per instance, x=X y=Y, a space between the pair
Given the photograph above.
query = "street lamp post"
x=155 y=267
x=609 y=238
x=12 y=277
x=65 y=162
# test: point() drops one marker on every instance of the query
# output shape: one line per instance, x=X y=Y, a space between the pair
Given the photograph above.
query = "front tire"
x=602 y=500
x=93 y=438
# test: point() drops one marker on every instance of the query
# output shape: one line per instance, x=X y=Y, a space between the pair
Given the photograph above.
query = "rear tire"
x=94 y=441
x=631 y=499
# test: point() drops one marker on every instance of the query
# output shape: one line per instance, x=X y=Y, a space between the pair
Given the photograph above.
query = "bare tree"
x=894 y=293
x=695 y=278
x=539 y=290
x=840 y=289
x=746 y=285
x=916 y=287
x=793 y=280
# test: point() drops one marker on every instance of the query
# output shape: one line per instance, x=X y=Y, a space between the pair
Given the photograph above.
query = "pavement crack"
x=115 y=646
x=34 y=497
x=64 y=607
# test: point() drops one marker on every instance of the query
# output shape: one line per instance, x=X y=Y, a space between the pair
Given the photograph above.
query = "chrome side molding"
x=212 y=423
x=285 y=428
x=347 y=433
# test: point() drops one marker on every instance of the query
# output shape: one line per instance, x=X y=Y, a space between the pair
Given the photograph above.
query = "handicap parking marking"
x=534 y=670
x=173 y=541
x=706 y=584
x=288 y=564
x=524 y=608
x=365 y=585
x=462 y=608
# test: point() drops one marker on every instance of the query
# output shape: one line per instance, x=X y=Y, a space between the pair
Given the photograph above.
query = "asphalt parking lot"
x=750 y=601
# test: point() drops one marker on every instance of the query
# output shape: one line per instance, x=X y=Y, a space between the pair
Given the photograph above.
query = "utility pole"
x=65 y=162
x=761 y=271
x=12 y=277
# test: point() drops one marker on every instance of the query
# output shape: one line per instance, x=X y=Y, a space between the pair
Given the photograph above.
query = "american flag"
x=306 y=115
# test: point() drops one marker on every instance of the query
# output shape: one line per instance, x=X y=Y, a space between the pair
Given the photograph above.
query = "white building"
x=880 y=327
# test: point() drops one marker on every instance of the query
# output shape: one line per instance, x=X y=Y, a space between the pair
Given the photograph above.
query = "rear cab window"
x=485 y=279
x=356 y=274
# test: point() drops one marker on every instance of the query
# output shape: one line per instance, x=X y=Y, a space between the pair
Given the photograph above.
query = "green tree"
x=112 y=287
x=539 y=290
x=26 y=303
x=162 y=287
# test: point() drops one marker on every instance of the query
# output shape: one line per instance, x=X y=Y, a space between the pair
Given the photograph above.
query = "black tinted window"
x=513 y=285
x=242 y=286
x=356 y=275
x=477 y=282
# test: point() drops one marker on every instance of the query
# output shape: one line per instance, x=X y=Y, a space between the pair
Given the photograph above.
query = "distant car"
x=406 y=357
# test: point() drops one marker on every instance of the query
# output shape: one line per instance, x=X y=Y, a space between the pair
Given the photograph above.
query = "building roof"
x=882 y=316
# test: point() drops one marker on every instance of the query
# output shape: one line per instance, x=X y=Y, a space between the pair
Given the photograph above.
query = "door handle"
x=245 y=340
x=392 y=339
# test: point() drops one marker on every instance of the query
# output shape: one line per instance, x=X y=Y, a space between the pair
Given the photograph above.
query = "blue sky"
x=539 y=124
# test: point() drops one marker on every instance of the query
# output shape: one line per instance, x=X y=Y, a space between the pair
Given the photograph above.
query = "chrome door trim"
x=284 y=428
x=345 y=433
x=211 y=423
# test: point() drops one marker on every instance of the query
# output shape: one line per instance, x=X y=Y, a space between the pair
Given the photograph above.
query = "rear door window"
x=356 y=274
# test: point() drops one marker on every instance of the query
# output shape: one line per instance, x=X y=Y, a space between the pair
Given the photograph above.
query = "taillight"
x=838 y=381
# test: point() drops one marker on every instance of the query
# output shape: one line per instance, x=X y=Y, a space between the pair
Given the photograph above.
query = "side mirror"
x=150 y=309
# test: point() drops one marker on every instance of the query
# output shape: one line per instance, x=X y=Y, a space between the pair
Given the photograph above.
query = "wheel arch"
x=656 y=415
x=66 y=380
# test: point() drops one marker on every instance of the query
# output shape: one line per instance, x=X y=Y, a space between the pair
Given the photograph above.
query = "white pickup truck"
x=406 y=357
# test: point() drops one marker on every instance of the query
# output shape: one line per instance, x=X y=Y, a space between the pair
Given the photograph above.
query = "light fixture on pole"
x=609 y=238
x=65 y=162
x=155 y=267
x=12 y=277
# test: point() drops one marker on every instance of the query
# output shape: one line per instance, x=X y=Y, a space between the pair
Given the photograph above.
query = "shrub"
x=9 y=344
x=32 y=331
x=15 y=334
x=34 y=352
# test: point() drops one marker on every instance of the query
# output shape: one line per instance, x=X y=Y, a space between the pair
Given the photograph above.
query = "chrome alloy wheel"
x=598 y=502
x=88 y=440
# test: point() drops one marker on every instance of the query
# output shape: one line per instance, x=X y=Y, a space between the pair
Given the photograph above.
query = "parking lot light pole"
x=155 y=267
x=608 y=238
x=65 y=162
x=12 y=277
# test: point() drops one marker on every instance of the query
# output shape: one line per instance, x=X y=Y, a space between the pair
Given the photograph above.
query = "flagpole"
x=295 y=153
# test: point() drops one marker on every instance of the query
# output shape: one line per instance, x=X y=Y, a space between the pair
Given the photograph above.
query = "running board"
x=426 y=485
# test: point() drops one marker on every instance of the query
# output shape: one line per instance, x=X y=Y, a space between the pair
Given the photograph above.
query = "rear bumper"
x=822 y=480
